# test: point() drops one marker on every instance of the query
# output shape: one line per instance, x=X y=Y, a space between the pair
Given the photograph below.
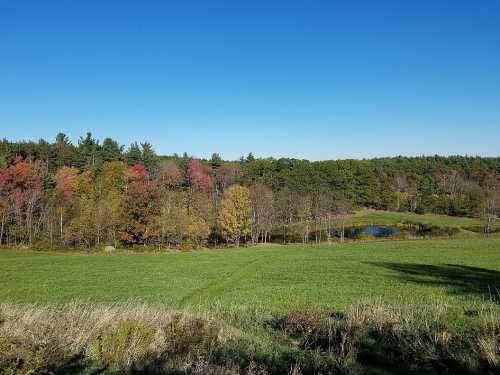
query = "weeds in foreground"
x=141 y=339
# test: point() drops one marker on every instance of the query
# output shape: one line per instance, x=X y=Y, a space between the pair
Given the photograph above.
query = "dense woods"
x=95 y=194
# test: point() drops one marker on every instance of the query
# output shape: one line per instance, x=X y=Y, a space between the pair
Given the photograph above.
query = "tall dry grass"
x=402 y=336
x=135 y=338
x=130 y=337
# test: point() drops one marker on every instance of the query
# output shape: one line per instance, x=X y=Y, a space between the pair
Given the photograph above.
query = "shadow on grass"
x=458 y=279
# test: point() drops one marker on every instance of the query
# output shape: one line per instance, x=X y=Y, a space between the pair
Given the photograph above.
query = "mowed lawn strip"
x=277 y=278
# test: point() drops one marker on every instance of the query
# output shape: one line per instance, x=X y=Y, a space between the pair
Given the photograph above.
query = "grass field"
x=275 y=277
x=432 y=284
x=369 y=217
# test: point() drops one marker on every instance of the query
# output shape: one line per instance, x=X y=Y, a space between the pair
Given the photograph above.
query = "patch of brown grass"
x=37 y=339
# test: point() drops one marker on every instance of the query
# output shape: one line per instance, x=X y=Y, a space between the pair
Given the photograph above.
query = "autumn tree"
x=4 y=206
x=235 y=214
x=261 y=197
x=22 y=186
x=224 y=176
x=197 y=175
x=81 y=229
x=137 y=205
x=169 y=175
x=174 y=226
x=111 y=187
x=168 y=205
x=405 y=191
x=66 y=182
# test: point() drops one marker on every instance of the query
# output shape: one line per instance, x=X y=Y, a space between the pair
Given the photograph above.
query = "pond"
x=377 y=231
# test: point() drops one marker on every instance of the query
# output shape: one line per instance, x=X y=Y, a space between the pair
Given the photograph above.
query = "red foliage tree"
x=22 y=186
x=66 y=182
x=197 y=176
x=137 y=206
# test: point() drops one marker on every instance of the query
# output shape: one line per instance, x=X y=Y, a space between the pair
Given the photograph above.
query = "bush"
x=480 y=229
x=302 y=323
x=44 y=245
x=332 y=339
x=42 y=340
x=363 y=236
x=187 y=335
x=24 y=355
x=402 y=338
x=186 y=246
x=400 y=236
x=437 y=231
x=125 y=346
x=483 y=339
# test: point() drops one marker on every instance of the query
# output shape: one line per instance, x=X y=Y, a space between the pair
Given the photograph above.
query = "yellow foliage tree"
x=235 y=214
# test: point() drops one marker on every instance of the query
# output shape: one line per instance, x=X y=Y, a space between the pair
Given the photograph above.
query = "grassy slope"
x=387 y=218
x=273 y=278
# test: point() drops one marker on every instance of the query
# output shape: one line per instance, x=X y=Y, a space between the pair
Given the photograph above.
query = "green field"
x=431 y=284
x=275 y=277
x=374 y=217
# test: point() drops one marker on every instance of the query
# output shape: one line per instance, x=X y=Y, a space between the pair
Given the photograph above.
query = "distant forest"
x=95 y=194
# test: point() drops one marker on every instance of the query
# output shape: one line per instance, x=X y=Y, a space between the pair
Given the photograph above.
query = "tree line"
x=94 y=194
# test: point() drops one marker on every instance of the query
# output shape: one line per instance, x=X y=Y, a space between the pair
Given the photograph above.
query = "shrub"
x=484 y=339
x=437 y=231
x=125 y=345
x=27 y=355
x=400 y=235
x=184 y=335
x=363 y=236
x=39 y=340
x=487 y=347
x=186 y=246
x=405 y=338
x=302 y=323
x=332 y=339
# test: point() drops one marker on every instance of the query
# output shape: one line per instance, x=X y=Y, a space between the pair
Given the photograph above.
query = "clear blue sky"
x=307 y=79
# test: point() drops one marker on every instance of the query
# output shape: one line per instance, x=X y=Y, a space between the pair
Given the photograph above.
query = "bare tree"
x=321 y=208
x=304 y=216
x=224 y=176
x=343 y=208
x=491 y=203
x=454 y=186
x=284 y=207
x=261 y=197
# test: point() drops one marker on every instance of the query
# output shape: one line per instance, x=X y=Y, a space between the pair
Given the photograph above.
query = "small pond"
x=376 y=231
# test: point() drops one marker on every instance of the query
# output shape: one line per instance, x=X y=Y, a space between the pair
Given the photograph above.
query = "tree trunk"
x=342 y=233
x=2 y=229
x=61 y=227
